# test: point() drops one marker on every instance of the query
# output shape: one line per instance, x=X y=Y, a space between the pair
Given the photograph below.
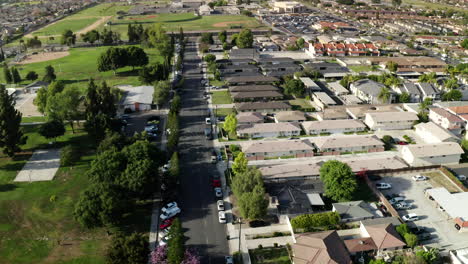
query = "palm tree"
x=428 y=78
x=384 y=95
x=451 y=83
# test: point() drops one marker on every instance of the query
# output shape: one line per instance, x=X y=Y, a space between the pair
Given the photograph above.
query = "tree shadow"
x=133 y=72
x=7 y=187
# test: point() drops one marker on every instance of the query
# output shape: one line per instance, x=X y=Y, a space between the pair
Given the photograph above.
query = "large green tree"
x=100 y=109
x=452 y=95
x=404 y=98
x=176 y=248
x=52 y=129
x=161 y=92
x=339 y=180
x=7 y=74
x=240 y=164
x=16 y=76
x=44 y=93
x=91 y=36
x=162 y=42
x=245 y=39
x=65 y=106
x=49 y=74
x=294 y=87
x=131 y=249
x=136 y=57
x=384 y=95
x=246 y=181
x=112 y=59
x=230 y=124
x=11 y=134
x=68 y=38
x=254 y=205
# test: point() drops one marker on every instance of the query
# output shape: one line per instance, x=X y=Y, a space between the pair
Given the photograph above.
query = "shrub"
x=275 y=245
x=310 y=222
x=69 y=155
x=260 y=246
x=257 y=223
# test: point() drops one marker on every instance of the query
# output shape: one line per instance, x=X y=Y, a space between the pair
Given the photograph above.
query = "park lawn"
x=361 y=68
x=221 y=97
x=60 y=26
x=277 y=255
x=224 y=111
x=81 y=64
x=31 y=119
x=188 y=21
x=434 y=6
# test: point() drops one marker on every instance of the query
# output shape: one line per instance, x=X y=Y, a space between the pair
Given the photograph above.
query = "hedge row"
x=312 y=222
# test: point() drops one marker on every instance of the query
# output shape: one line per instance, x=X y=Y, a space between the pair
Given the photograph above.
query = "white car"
x=419 y=178
x=170 y=213
x=461 y=177
x=402 y=206
x=220 y=204
x=166 y=167
x=218 y=192
x=169 y=206
x=208 y=121
x=222 y=217
x=410 y=217
x=229 y=260
x=383 y=186
x=396 y=200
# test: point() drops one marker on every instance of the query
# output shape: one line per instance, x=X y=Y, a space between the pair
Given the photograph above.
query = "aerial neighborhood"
x=234 y=131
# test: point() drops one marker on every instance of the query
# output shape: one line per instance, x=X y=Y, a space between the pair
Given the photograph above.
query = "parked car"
x=402 y=206
x=214 y=159
x=218 y=192
x=410 y=217
x=170 y=213
x=229 y=259
x=222 y=217
x=461 y=177
x=216 y=183
x=419 y=178
x=396 y=200
x=169 y=206
x=166 y=223
x=208 y=121
x=166 y=167
x=418 y=230
x=424 y=236
x=220 y=204
x=383 y=186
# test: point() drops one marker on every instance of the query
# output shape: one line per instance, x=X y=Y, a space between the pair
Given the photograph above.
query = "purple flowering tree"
x=191 y=257
x=159 y=255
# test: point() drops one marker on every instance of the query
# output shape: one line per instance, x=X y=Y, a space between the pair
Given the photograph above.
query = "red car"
x=402 y=143
x=166 y=223
x=216 y=183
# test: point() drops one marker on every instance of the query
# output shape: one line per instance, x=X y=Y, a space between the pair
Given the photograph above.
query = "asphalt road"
x=198 y=202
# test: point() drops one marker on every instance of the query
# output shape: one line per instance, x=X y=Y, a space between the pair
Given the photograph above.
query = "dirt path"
x=45 y=56
x=94 y=25
x=226 y=24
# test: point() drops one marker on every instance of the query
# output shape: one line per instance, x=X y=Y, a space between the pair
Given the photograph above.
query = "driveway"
x=42 y=166
x=24 y=104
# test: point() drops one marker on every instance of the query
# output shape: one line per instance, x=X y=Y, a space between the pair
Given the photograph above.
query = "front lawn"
x=361 y=68
x=301 y=104
x=277 y=255
x=221 y=97
x=224 y=111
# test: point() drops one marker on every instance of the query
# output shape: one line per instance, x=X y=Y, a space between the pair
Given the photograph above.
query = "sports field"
x=82 y=21
x=76 y=68
x=188 y=21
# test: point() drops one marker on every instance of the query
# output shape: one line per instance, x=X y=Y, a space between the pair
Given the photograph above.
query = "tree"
x=396 y=3
x=300 y=43
x=222 y=36
x=100 y=109
x=245 y=39
x=136 y=57
x=207 y=38
x=294 y=87
x=109 y=37
x=65 y=106
x=404 y=97
x=240 y=164
x=230 y=124
x=209 y=58
x=246 y=181
x=339 y=180
x=68 y=38
x=7 y=74
x=112 y=59
x=11 y=133
x=44 y=93
x=91 y=36
x=384 y=95
x=464 y=43
x=52 y=129
x=151 y=73
x=411 y=240
x=253 y=205
x=430 y=256
x=392 y=66
x=175 y=249
x=174 y=169
x=234 y=38
x=181 y=36
x=69 y=155
x=132 y=249
x=428 y=77
x=49 y=74
x=162 y=42
x=451 y=83
x=99 y=205
x=161 y=92
x=15 y=75
x=33 y=42
x=388 y=141
x=452 y=95
x=32 y=76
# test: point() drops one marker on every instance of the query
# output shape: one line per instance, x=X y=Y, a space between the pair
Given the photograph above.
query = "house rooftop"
x=435 y=130
x=381 y=220
x=324 y=98
x=267 y=128
x=249 y=117
x=354 y=209
x=320 y=247
x=359 y=112
x=308 y=82
x=384 y=236
x=410 y=88
x=290 y=116
x=439 y=149
x=338 y=88
x=138 y=94
x=249 y=79
x=392 y=116
x=279 y=146
x=262 y=106
x=444 y=113
x=368 y=86
x=252 y=88
x=333 y=124
x=256 y=94
x=324 y=143
x=453 y=203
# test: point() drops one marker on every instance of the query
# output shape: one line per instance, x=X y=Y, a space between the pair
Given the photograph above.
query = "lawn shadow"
x=7 y=187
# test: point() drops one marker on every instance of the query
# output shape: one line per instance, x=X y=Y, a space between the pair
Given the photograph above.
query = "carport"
x=453 y=204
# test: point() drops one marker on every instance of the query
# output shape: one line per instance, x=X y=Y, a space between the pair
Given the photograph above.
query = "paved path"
x=42 y=166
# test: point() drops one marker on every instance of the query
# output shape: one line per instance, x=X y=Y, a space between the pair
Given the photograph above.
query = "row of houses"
x=343 y=49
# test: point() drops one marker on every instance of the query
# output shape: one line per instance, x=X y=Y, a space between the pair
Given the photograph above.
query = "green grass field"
x=224 y=111
x=62 y=25
x=31 y=119
x=361 y=68
x=81 y=64
x=188 y=21
x=221 y=97
x=434 y=6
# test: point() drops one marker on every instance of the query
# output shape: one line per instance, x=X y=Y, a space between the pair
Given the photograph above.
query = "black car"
x=424 y=236
x=418 y=230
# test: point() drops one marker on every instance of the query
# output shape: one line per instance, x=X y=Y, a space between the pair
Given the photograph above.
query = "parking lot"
x=442 y=230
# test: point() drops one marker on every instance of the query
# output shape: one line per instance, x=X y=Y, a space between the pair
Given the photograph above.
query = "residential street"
x=198 y=202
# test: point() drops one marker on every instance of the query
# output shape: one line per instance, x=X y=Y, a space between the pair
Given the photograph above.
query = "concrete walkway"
x=42 y=166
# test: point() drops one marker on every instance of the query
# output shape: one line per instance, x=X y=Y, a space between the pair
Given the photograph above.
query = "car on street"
x=166 y=223
x=383 y=186
x=461 y=177
x=419 y=178
x=229 y=259
x=170 y=213
x=208 y=121
x=396 y=199
x=166 y=167
x=221 y=118
x=218 y=192
x=169 y=206
x=216 y=183
x=164 y=232
x=213 y=158
x=410 y=217
x=402 y=206
x=424 y=236
x=220 y=205
x=222 y=217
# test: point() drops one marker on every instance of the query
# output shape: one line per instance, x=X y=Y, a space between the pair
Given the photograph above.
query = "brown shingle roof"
x=261 y=106
x=248 y=79
x=360 y=244
x=320 y=248
x=442 y=112
x=256 y=94
x=385 y=236
x=253 y=88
